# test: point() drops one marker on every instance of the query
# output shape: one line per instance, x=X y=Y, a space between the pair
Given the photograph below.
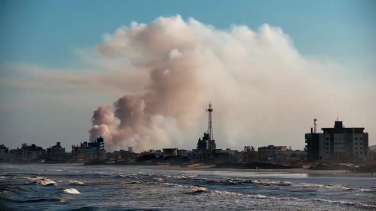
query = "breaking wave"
x=267 y=182
x=44 y=181
x=258 y=196
x=347 y=203
x=196 y=190
x=75 y=182
x=368 y=190
x=307 y=185
x=71 y=191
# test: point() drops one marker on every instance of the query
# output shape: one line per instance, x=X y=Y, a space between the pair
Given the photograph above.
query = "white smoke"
x=262 y=90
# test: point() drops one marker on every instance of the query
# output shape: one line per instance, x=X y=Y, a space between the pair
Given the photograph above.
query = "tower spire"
x=210 y=128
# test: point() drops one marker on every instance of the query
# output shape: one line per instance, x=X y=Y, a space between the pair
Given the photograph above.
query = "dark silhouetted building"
x=56 y=152
x=89 y=151
x=338 y=143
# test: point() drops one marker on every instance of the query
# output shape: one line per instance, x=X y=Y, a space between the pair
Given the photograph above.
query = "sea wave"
x=75 y=182
x=71 y=191
x=44 y=181
x=120 y=175
x=195 y=190
x=368 y=190
x=308 y=185
x=257 y=196
x=135 y=182
x=158 y=179
x=29 y=200
x=254 y=196
x=271 y=182
x=347 y=203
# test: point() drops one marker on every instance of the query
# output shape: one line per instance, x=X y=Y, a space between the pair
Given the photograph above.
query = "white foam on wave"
x=44 y=181
x=34 y=178
x=308 y=185
x=71 y=191
x=75 y=182
x=368 y=190
x=176 y=185
x=158 y=179
x=254 y=196
x=197 y=190
x=348 y=203
x=270 y=182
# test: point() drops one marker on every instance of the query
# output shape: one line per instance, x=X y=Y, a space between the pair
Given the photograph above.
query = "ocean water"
x=78 y=187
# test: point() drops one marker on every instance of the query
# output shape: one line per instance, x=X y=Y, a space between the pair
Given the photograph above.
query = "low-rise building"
x=192 y=154
x=157 y=152
x=269 y=153
x=183 y=152
x=170 y=151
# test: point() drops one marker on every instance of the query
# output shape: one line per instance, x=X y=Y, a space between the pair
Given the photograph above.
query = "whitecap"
x=307 y=185
x=45 y=181
x=71 y=191
x=75 y=182
x=197 y=190
x=367 y=190
x=348 y=203
x=159 y=179
x=268 y=183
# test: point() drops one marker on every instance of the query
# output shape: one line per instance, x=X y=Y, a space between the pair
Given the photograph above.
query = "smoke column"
x=260 y=86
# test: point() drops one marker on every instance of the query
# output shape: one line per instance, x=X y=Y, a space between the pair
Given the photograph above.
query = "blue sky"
x=46 y=33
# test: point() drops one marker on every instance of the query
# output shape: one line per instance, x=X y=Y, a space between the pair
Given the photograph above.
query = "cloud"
x=262 y=89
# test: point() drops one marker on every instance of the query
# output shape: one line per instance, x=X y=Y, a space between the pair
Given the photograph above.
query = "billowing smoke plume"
x=262 y=90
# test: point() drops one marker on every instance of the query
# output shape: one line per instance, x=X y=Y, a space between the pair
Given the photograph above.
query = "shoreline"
x=328 y=173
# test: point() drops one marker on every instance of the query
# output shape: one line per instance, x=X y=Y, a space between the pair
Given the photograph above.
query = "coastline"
x=328 y=173
x=303 y=171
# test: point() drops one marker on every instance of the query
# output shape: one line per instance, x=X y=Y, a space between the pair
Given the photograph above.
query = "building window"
x=360 y=138
x=327 y=148
x=356 y=143
x=327 y=153
x=360 y=148
x=356 y=147
x=327 y=143
x=360 y=143
x=356 y=138
x=327 y=139
x=360 y=152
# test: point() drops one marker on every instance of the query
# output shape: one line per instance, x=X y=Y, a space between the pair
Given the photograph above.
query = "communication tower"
x=210 y=128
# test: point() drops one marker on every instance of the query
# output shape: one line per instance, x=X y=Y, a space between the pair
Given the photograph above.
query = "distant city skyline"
x=272 y=68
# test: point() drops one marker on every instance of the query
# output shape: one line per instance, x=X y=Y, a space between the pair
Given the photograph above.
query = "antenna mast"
x=210 y=128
